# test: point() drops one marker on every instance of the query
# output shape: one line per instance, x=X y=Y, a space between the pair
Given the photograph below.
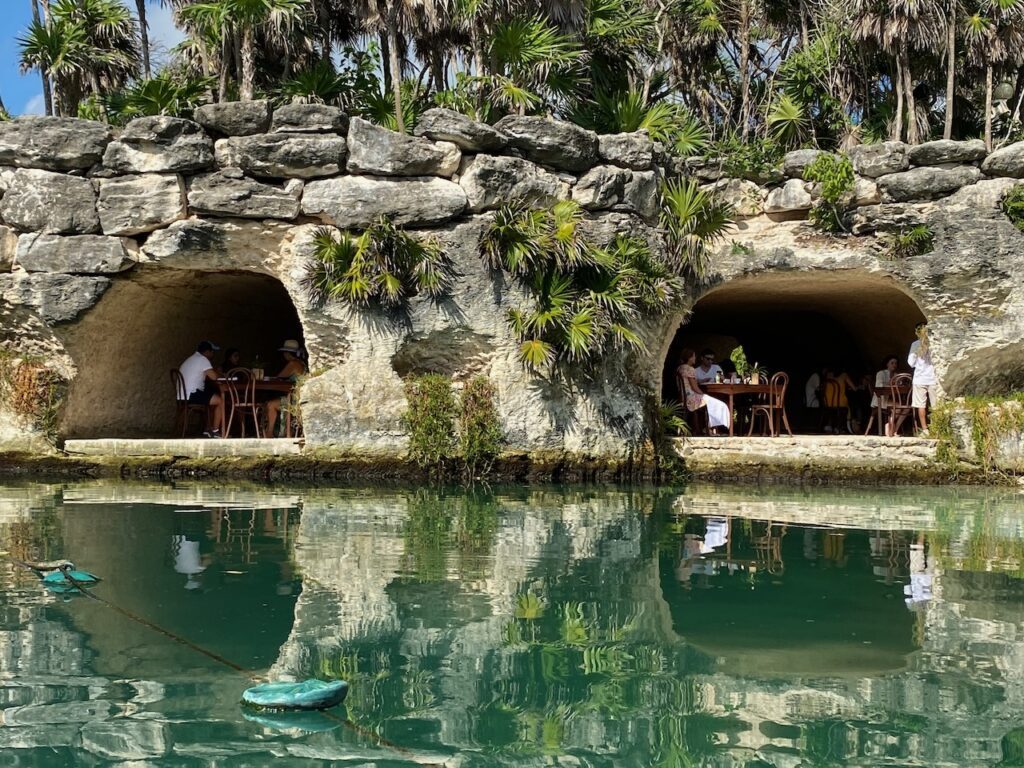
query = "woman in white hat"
x=294 y=366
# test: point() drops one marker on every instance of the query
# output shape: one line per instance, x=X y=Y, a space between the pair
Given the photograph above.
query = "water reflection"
x=520 y=627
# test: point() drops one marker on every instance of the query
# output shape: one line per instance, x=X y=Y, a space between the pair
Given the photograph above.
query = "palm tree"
x=59 y=50
x=994 y=36
x=245 y=18
x=388 y=18
x=112 y=56
x=953 y=10
x=897 y=27
x=147 y=69
x=43 y=75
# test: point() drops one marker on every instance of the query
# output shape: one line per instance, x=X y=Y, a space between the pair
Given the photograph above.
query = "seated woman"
x=232 y=359
x=686 y=376
x=294 y=366
x=837 y=402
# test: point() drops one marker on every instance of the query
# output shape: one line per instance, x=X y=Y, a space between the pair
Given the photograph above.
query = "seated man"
x=707 y=370
x=199 y=375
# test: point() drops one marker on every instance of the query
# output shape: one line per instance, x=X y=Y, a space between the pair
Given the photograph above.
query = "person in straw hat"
x=294 y=366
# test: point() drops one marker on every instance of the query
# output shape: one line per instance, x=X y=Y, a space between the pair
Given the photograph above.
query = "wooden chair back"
x=183 y=408
x=240 y=392
x=240 y=387
x=777 y=389
x=900 y=390
x=178 y=382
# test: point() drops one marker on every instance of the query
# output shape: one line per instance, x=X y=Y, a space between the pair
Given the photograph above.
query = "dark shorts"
x=202 y=396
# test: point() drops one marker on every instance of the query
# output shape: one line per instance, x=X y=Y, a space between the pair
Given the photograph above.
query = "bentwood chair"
x=183 y=408
x=239 y=387
x=773 y=407
x=696 y=420
x=900 y=401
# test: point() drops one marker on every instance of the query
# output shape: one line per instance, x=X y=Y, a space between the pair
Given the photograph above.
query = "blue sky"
x=23 y=94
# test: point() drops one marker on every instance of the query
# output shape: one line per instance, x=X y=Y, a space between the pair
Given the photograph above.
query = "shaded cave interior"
x=146 y=324
x=799 y=323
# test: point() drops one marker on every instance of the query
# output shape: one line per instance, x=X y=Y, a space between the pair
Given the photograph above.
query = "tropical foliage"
x=699 y=75
x=1012 y=205
x=584 y=300
x=694 y=221
x=430 y=420
x=444 y=432
x=382 y=266
x=480 y=433
x=909 y=242
x=835 y=179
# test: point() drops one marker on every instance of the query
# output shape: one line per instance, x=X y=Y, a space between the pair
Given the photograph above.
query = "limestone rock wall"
x=244 y=188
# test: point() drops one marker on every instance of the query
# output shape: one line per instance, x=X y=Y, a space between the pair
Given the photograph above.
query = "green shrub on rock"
x=834 y=174
x=443 y=430
x=430 y=420
x=907 y=243
x=1012 y=205
x=480 y=432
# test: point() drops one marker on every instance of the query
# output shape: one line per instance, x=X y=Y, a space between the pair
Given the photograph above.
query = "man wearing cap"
x=199 y=375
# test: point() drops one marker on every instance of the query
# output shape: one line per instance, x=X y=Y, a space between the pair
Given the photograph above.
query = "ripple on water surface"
x=517 y=626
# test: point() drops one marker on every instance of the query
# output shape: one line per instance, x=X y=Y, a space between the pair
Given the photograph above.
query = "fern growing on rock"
x=584 y=300
x=381 y=266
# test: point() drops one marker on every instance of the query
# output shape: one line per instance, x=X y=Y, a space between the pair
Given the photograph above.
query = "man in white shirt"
x=198 y=376
x=920 y=359
x=707 y=370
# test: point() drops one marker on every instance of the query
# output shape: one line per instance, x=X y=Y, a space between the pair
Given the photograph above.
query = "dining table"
x=267 y=384
x=731 y=391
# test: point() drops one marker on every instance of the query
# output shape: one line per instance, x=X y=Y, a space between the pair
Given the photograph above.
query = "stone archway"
x=797 y=321
x=146 y=324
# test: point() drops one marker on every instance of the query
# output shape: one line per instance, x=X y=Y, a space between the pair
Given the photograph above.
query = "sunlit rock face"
x=243 y=190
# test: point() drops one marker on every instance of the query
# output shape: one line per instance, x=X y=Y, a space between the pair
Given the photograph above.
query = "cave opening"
x=800 y=323
x=146 y=324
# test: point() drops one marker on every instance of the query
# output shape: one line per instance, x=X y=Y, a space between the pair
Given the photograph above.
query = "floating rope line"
x=64 y=567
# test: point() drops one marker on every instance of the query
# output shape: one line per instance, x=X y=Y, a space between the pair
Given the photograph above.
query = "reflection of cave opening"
x=799 y=323
x=148 y=323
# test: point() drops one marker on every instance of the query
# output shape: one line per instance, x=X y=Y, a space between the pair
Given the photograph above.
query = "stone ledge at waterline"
x=102 y=229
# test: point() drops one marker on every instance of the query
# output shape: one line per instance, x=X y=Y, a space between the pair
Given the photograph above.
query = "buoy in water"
x=306 y=695
x=67 y=579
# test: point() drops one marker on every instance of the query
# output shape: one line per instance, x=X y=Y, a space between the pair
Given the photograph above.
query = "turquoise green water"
x=517 y=627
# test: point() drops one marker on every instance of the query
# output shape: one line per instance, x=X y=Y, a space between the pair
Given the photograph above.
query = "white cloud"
x=163 y=35
x=34 y=106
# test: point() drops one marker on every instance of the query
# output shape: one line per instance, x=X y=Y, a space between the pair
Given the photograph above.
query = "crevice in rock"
x=456 y=352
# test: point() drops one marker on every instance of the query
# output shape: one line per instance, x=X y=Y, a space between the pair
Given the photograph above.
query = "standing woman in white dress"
x=686 y=376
